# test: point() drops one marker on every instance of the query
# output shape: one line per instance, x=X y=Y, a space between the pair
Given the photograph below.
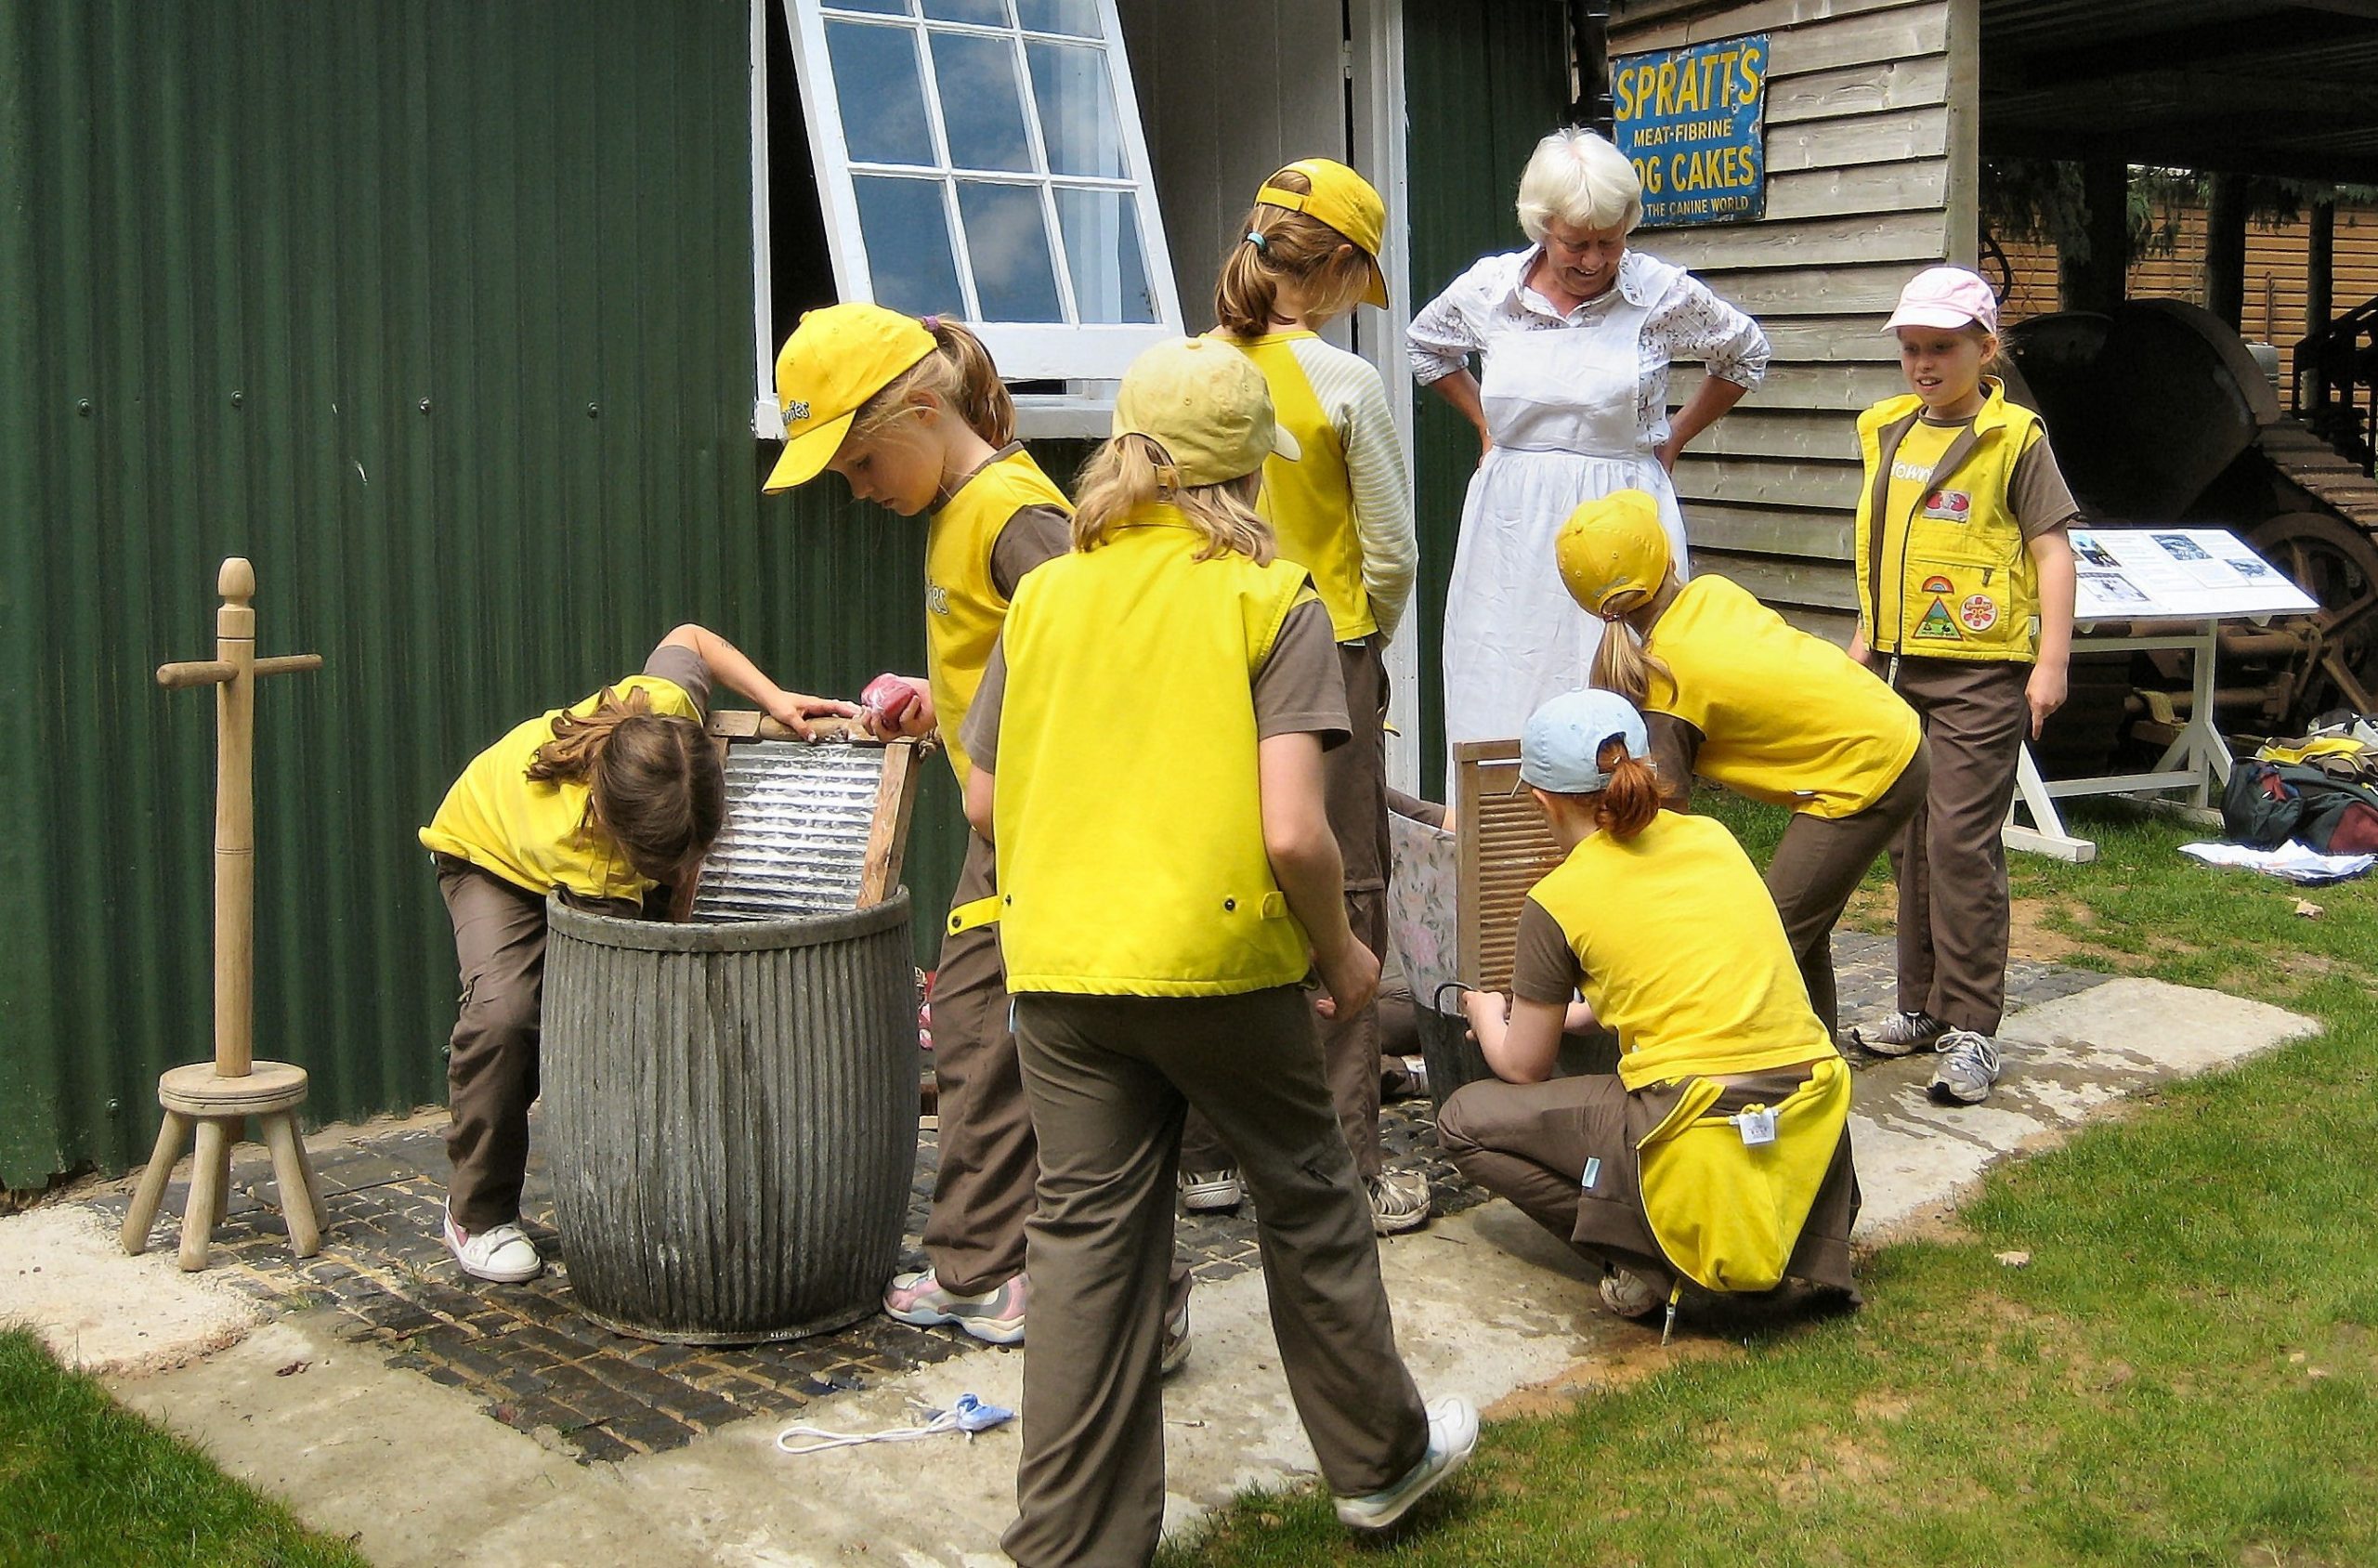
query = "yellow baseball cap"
x=1611 y=545
x=837 y=359
x=1344 y=201
x=1208 y=406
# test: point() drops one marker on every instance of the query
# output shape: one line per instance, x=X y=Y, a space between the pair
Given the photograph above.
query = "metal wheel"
x=2337 y=564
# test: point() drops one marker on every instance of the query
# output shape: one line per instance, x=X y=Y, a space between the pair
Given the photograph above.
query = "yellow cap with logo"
x=1207 y=404
x=1610 y=547
x=1344 y=201
x=836 y=360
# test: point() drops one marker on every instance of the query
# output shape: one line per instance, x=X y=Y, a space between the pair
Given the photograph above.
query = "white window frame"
x=1087 y=355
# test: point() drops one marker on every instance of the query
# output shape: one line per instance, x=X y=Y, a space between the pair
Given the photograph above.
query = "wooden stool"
x=271 y=1091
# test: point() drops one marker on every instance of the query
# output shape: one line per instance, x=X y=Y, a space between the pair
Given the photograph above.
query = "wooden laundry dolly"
x=217 y=1097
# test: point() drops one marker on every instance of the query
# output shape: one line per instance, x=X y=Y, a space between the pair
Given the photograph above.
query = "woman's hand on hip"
x=1667 y=450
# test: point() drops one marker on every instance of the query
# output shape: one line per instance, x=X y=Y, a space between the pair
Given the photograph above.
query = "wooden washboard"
x=1503 y=848
x=811 y=826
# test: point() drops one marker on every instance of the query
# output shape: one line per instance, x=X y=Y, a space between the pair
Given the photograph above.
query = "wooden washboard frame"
x=1502 y=847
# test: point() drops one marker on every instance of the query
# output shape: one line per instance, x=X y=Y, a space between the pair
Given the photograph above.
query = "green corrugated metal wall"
x=441 y=314
x=1483 y=81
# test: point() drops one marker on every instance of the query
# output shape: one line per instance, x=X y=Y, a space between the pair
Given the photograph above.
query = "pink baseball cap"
x=1945 y=296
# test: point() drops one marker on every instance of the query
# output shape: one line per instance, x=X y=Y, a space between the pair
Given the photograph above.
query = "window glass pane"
x=1077 y=109
x=1077 y=17
x=982 y=102
x=882 y=8
x=881 y=86
x=1110 y=270
x=989 y=13
x=1008 y=243
x=906 y=232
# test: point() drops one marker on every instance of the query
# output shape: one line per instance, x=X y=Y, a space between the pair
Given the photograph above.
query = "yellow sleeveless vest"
x=1953 y=579
x=1726 y=1212
x=1310 y=502
x=1129 y=816
x=964 y=607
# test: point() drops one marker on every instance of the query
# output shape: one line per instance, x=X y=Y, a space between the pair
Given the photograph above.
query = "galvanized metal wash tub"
x=730 y=1118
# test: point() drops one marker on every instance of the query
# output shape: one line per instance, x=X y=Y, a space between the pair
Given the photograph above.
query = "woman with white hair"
x=1576 y=334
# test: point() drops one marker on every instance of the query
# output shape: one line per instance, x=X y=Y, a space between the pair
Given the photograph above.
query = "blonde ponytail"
x=959 y=374
x=1128 y=475
x=1623 y=663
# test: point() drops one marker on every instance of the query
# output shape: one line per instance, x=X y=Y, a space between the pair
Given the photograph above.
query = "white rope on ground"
x=969 y=1415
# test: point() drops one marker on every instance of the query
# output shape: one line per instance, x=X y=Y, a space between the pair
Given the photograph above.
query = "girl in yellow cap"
x=1730 y=692
x=1307 y=252
x=1718 y=1152
x=912 y=413
x=601 y=802
x=1147 y=751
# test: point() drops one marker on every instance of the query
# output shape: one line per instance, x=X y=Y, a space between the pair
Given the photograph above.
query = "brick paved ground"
x=535 y=1363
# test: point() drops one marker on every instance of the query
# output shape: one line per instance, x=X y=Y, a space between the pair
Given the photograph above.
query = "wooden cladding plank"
x=1834 y=626
x=1651 y=31
x=1908 y=33
x=1754 y=430
x=1915 y=237
x=1749 y=531
x=1875 y=88
x=1889 y=137
x=1844 y=387
x=1767 y=481
x=1831 y=339
x=1781 y=580
x=1920 y=186
x=1773 y=293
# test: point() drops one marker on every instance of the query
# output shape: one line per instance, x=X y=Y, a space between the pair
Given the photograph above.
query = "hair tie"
x=1257 y=241
x=932 y=323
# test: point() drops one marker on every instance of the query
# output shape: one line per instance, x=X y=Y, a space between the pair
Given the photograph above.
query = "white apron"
x=1560 y=405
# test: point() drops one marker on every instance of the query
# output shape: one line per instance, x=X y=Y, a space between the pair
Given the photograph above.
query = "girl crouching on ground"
x=1719 y=1151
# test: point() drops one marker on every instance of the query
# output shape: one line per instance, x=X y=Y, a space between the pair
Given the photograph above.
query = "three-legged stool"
x=271 y=1091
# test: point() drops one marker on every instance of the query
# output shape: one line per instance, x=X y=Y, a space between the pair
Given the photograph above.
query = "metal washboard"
x=812 y=827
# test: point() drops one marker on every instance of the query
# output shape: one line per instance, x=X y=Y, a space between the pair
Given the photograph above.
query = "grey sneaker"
x=1902 y=1033
x=1398 y=1201
x=1212 y=1192
x=1629 y=1294
x=1968 y=1066
x=995 y=1316
x=1453 y=1432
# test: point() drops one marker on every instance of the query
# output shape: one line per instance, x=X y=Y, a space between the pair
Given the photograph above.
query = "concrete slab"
x=1485 y=1304
x=62 y=1271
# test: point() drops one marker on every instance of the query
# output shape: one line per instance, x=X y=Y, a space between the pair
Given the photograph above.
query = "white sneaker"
x=1212 y=1192
x=502 y=1255
x=1398 y=1201
x=1453 y=1432
x=1968 y=1066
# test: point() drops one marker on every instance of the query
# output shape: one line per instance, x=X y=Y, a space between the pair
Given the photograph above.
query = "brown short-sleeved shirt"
x=1299 y=691
x=1544 y=967
x=1033 y=535
x=683 y=666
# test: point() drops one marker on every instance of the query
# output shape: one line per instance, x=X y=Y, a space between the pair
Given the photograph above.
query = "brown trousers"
x=1533 y=1143
x=1819 y=863
x=491 y=1058
x=1952 y=862
x=1110 y=1079
x=982 y=1189
x=1354 y=787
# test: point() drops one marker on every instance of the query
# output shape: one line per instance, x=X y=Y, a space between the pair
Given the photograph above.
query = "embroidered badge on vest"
x=1979 y=612
x=1937 y=625
x=1949 y=506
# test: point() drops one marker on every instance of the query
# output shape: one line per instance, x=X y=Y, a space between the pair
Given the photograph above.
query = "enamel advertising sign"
x=1693 y=123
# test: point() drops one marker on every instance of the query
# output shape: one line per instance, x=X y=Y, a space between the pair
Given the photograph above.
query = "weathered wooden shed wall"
x=1872 y=154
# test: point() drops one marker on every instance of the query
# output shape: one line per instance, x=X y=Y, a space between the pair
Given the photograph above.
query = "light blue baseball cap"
x=1565 y=737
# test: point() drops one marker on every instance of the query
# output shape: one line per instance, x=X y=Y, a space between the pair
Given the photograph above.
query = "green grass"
x=86 y=1483
x=2184 y=1373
